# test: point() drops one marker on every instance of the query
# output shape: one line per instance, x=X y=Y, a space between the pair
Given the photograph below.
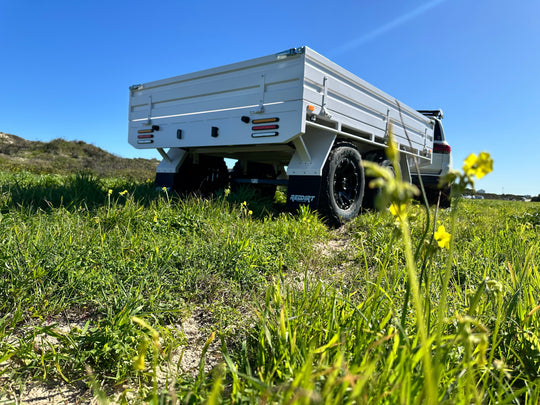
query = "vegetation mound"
x=66 y=157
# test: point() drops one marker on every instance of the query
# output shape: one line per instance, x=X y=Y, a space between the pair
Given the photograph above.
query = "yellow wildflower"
x=478 y=166
x=399 y=210
x=122 y=193
x=442 y=237
x=110 y=191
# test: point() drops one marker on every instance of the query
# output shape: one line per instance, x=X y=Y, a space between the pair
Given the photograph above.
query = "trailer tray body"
x=286 y=109
x=205 y=109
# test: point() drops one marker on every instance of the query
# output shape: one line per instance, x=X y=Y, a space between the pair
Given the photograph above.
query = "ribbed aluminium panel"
x=219 y=97
x=353 y=102
x=188 y=108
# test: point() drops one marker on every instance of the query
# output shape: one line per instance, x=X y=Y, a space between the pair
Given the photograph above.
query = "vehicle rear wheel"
x=342 y=187
x=435 y=196
x=446 y=197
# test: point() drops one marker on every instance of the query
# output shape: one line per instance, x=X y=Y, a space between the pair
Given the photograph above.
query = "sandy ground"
x=186 y=359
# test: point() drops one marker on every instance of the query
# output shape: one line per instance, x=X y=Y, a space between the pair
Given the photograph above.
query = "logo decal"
x=302 y=198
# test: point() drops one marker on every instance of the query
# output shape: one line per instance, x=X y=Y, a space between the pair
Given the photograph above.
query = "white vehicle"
x=293 y=118
x=441 y=163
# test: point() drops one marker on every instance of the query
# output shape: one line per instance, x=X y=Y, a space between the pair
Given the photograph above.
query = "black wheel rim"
x=345 y=184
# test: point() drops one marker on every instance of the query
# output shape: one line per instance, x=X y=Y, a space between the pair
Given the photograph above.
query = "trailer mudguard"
x=167 y=169
x=306 y=167
x=303 y=190
x=312 y=149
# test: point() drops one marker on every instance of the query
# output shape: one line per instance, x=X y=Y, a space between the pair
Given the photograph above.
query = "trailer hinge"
x=323 y=112
x=262 y=86
x=149 y=112
x=388 y=123
x=426 y=150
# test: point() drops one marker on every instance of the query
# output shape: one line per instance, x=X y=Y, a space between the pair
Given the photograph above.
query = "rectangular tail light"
x=443 y=148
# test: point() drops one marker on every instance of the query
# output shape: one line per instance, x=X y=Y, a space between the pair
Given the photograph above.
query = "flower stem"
x=430 y=385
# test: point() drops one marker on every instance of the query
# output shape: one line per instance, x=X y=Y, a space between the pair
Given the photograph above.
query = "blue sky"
x=67 y=65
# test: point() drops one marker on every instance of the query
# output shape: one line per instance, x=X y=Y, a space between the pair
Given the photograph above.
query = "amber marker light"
x=265 y=120
x=149 y=130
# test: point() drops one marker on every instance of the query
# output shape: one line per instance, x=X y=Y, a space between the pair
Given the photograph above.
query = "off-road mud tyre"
x=342 y=184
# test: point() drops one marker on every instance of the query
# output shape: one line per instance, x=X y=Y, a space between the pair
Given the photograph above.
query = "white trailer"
x=292 y=118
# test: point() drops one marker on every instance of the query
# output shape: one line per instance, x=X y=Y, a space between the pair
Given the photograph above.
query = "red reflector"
x=442 y=148
x=144 y=136
x=264 y=127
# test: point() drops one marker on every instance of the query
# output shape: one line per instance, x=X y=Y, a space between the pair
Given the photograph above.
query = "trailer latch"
x=136 y=87
x=290 y=52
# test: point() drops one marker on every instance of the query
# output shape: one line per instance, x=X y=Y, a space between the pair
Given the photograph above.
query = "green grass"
x=299 y=317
